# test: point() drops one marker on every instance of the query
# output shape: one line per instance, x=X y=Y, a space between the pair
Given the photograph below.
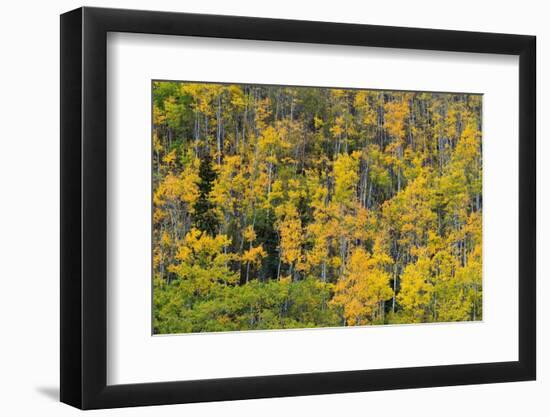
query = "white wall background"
x=29 y=213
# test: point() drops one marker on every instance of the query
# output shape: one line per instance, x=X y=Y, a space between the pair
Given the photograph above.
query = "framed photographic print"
x=256 y=207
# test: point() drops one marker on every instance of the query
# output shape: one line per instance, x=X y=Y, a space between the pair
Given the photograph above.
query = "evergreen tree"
x=204 y=216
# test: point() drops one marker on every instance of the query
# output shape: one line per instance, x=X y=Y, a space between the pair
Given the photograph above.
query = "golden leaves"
x=346 y=175
x=416 y=291
x=396 y=113
x=363 y=287
x=254 y=255
x=290 y=229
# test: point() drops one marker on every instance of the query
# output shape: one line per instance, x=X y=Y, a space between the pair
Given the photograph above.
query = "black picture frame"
x=84 y=207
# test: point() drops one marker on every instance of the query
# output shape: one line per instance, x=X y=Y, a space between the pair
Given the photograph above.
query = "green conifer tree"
x=204 y=217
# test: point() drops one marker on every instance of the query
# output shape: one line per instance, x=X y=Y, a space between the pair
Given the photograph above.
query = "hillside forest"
x=281 y=207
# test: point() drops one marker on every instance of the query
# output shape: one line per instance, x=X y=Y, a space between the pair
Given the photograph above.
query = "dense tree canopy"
x=279 y=207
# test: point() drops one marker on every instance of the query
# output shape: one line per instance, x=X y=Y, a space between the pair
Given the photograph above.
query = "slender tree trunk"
x=219 y=131
x=247 y=271
x=394 y=286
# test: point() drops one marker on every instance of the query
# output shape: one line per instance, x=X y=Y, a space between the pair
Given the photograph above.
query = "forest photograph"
x=278 y=207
